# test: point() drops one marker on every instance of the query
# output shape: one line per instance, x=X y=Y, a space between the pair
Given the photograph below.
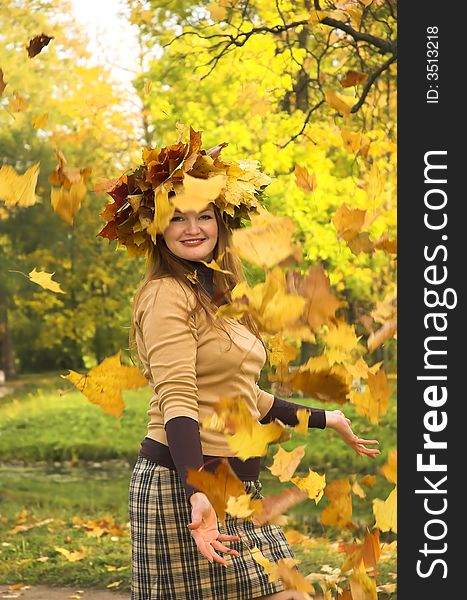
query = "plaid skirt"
x=166 y=563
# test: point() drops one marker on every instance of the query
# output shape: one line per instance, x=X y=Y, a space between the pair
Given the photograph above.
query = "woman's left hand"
x=335 y=419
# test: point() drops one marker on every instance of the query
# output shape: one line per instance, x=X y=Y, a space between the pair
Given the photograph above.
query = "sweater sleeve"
x=264 y=401
x=170 y=340
x=287 y=413
x=185 y=448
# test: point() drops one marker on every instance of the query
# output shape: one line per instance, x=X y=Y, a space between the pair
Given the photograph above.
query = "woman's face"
x=191 y=225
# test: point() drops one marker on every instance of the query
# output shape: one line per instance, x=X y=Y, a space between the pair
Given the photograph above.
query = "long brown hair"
x=161 y=262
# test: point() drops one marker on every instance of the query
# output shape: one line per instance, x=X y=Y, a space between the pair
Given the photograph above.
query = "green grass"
x=62 y=457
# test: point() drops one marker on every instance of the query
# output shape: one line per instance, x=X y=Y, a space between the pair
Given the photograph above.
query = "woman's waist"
x=159 y=453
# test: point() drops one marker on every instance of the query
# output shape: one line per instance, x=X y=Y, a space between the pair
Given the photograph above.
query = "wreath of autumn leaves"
x=183 y=176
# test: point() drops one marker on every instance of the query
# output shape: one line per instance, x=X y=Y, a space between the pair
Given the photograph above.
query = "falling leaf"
x=361 y=585
x=389 y=470
x=18 y=189
x=339 y=511
x=197 y=193
x=304 y=180
x=217 y=12
x=340 y=340
x=275 y=506
x=358 y=490
x=329 y=385
x=267 y=242
x=254 y=441
x=313 y=484
x=385 y=512
x=243 y=506
x=348 y=222
x=281 y=351
x=303 y=419
x=37 y=43
x=321 y=303
x=3 y=83
x=285 y=463
x=337 y=103
x=67 y=202
x=283 y=570
x=103 y=384
x=40 y=121
x=17 y=103
x=369 y=552
x=381 y=335
x=218 y=486
x=352 y=78
x=368 y=480
x=44 y=279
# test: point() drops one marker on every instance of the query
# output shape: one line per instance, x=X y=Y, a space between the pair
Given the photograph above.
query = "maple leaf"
x=67 y=202
x=285 y=463
x=385 y=512
x=69 y=555
x=267 y=242
x=281 y=351
x=243 y=506
x=384 y=333
x=3 y=83
x=361 y=585
x=339 y=510
x=275 y=506
x=304 y=180
x=18 y=190
x=247 y=442
x=373 y=402
x=40 y=121
x=336 y=102
x=369 y=552
x=328 y=385
x=17 y=103
x=368 y=480
x=196 y=193
x=321 y=303
x=313 y=484
x=352 y=78
x=303 y=419
x=340 y=340
x=37 y=43
x=283 y=570
x=103 y=384
x=389 y=470
x=218 y=486
x=348 y=221
x=44 y=279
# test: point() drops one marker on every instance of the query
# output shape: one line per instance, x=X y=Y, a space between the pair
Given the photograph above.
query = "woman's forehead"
x=206 y=208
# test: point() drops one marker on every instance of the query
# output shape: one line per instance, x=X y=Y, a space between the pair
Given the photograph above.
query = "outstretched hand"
x=335 y=419
x=205 y=532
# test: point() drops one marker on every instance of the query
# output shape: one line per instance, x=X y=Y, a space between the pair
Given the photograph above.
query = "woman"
x=178 y=548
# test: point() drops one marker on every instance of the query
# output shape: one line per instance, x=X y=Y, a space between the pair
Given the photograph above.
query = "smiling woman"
x=192 y=235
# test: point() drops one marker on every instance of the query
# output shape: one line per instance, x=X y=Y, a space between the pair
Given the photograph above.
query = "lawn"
x=64 y=473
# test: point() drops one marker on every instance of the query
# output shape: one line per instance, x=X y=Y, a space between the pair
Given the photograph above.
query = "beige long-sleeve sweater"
x=190 y=365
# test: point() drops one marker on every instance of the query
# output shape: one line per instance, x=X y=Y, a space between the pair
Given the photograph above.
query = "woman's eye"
x=207 y=216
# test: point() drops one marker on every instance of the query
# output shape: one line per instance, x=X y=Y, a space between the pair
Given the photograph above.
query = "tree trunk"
x=7 y=362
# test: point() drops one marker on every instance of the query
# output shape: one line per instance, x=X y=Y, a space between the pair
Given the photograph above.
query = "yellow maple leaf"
x=362 y=586
x=70 y=555
x=103 y=384
x=196 y=193
x=303 y=418
x=17 y=103
x=281 y=351
x=44 y=279
x=389 y=470
x=305 y=181
x=368 y=480
x=243 y=506
x=163 y=213
x=267 y=242
x=313 y=484
x=218 y=486
x=339 y=510
x=254 y=440
x=285 y=463
x=348 y=221
x=321 y=303
x=40 y=121
x=340 y=340
x=385 y=512
x=18 y=189
x=336 y=102
x=67 y=201
x=284 y=570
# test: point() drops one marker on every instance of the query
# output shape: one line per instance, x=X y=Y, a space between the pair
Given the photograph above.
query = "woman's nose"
x=192 y=225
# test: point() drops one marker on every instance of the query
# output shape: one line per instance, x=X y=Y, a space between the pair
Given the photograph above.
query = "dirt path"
x=43 y=592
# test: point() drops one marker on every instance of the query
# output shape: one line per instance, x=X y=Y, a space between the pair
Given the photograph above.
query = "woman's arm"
x=287 y=413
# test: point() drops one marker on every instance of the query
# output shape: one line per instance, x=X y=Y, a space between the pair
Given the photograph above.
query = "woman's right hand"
x=205 y=532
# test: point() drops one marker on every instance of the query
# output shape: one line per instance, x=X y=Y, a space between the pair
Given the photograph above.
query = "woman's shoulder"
x=165 y=292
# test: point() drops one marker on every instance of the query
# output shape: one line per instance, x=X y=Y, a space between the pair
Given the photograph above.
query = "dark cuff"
x=185 y=448
x=287 y=413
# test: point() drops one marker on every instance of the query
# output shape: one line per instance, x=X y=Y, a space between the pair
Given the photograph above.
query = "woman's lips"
x=193 y=242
